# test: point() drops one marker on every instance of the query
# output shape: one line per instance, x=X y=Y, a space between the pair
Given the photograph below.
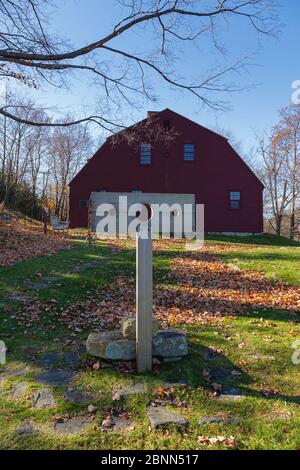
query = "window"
x=84 y=203
x=189 y=152
x=145 y=154
x=235 y=199
x=167 y=125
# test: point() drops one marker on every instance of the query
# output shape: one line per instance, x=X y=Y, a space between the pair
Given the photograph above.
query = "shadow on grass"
x=220 y=369
x=266 y=239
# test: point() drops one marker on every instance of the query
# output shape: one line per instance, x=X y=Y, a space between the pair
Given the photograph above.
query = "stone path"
x=130 y=390
x=56 y=377
x=26 y=429
x=53 y=359
x=161 y=417
x=232 y=394
x=117 y=424
x=71 y=426
x=218 y=420
x=19 y=390
x=44 y=399
x=77 y=396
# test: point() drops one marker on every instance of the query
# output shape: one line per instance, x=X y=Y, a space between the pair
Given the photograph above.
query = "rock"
x=56 y=377
x=77 y=397
x=170 y=343
x=218 y=375
x=19 y=390
x=74 y=425
x=117 y=424
x=122 y=350
x=232 y=394
x=72 y=358
x=92 y=409
x=38 y=286
x=8 y=372
x=111 y=345
x=26 y=430
x=49 y=359
x=131 y=390
x=44 y=399
x=160 y=417
x=128 y=327
x=218 y=420
x=97 y=343
x=179 y=384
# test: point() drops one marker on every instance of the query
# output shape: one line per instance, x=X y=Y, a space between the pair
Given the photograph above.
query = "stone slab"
x=77 y=397
x=118 y=424
x=218 y=420
x=161 y=417
x=56 y=377
x=19 y=390
x=219 y=375
x=170 y=343
x=71 y=426
x=38 y=286
x=71 y=358
x=97 y=343
x=128 y=327
x=50 y=359
x=232 y=394
x=44 y=399
x=130 y=390
x=122 y=350
x=26 y=429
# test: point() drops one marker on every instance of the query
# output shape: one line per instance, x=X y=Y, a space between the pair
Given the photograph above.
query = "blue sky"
x=274 y=66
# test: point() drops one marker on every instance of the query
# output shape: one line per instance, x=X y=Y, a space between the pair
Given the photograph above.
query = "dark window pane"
x=235 y=204
x=145 y=158
x=235 y=196
x=189 y=152
x=167 y=125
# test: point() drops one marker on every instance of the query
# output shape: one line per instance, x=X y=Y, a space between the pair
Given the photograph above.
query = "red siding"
x=216 y=171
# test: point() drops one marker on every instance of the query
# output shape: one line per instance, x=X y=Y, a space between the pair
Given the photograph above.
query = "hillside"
x=22 y=238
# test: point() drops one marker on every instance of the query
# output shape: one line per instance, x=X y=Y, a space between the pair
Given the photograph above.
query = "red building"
x=168 y=153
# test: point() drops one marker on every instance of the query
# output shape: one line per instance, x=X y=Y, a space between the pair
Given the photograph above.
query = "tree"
x=69 y=149
x=29 y=54
x=273 y=174
x=287 y=135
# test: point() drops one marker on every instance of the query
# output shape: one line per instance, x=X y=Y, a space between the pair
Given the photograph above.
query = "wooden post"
x=144 y=300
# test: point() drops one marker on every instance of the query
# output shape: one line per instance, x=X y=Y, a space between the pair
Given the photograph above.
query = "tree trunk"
x=278 y=224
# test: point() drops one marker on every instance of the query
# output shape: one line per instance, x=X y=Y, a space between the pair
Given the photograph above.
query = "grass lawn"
x=254 y=348
x=277 y=257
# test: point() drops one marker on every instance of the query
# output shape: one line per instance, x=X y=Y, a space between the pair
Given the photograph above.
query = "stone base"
x=128 y=327
x=169 y=345
x=110 y=345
